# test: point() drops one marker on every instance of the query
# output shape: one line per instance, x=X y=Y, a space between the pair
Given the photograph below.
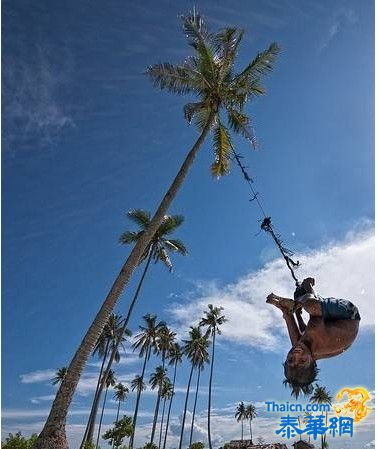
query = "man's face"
x=299 y=357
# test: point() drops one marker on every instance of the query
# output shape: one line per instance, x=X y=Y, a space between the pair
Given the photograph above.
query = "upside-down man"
x=331 y=329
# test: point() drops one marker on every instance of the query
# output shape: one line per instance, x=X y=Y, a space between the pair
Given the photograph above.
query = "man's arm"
x=311 y=304
x=292 y=328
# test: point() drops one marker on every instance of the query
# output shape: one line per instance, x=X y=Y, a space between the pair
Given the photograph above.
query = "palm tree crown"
x=250 y=411
x=138 y=384
x=321 y=395
x=175 y=354
x=59 y=375
x=213 y=319
x=210 y=75
x=108 y=339
x=120 y=392
x=196 y=347
x=161 y=244
x=165 y=340
x=158 y=377
x=148 y=334
x=240 y=412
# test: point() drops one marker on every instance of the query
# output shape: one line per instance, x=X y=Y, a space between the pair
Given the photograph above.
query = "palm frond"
x=162 y=255
x=222 y=147
x=227 y=42
x=191 y=109
x=176 y=245
x=170 y=224
x=174 y=78
x=261 y=64
x=240 y=124
x=194 y=27
x=201 y=117
x=140 y=217
x=201 y=40
x=130 y=237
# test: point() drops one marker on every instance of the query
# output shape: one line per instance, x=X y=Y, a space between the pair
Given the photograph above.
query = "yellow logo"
x=357 y=397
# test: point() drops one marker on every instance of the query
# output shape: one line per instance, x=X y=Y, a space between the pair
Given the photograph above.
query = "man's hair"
x=300 y=379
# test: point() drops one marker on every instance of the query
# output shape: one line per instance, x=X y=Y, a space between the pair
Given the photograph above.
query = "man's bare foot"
x=284 y=304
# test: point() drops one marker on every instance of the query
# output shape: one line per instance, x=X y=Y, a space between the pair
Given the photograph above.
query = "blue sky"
x=86 y=138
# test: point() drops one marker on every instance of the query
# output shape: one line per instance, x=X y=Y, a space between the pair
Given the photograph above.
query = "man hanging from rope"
x=331 y=329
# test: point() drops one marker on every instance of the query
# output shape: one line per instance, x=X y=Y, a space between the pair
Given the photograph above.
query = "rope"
x=266 y=224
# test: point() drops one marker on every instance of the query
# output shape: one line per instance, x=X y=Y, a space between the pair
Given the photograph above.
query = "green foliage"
x=89 y=445
x=150 y=446
x=123 y=428
x=17 y=441
x=197 y=445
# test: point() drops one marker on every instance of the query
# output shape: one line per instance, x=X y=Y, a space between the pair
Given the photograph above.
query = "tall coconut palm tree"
x=250 y=414
x=195 y=349
x=210 y=75
x=59 y=376
x=166 y=394
x=175 y=357
x=158 y=250
x=145 y=342
x=106 y=344
x=240 y=415
x=202 y=359
x=322 y=396
x=157 y=380
x=120 y=394
x=212 y=320
x=110 y=382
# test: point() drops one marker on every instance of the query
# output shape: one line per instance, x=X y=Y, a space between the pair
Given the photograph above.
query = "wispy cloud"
x=34 y=109
x=344 y=16
x=37 y=376
x=342 y=269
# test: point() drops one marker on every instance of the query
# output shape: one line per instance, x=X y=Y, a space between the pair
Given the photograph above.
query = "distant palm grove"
x=218 y=95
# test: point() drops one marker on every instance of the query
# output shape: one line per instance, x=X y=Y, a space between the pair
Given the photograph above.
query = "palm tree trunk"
x=170 y=406
x=139 y=393
x=210 y=386
x=102 y=415
x=185 y=407
x=162 y=422
x=94 y=410
x=119 y=406
x=53 y=434
x=250 y=429
x=156 y=414
x=242 y=429
x=194 y=407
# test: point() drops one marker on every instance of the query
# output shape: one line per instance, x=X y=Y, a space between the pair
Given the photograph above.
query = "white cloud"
x=344 y=16
x=37 y=376
x=34 y=100
x=341 y=269
x=39 y=399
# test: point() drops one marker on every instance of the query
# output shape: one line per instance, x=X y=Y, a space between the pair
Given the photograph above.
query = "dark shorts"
x=338 y=309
